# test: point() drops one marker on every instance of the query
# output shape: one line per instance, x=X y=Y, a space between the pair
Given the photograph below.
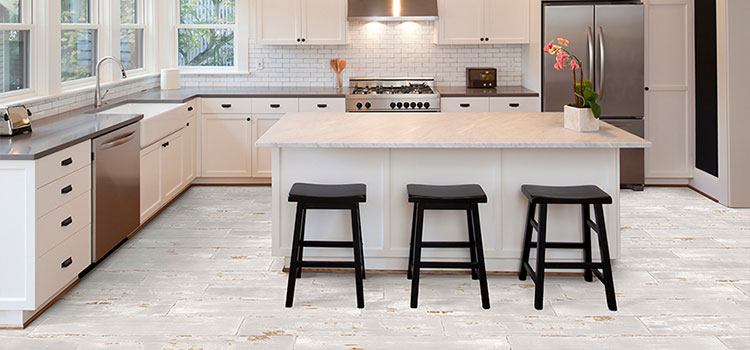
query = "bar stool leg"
x=410 y=267
x=302 y=240
x=541 y=245
x=294 y=263
x=472 y=244
x=417 y=257
x=362 y=243
x=357 y=257
x=527 y=241
x=585 y=215
x=609 y=284
x=480 y=257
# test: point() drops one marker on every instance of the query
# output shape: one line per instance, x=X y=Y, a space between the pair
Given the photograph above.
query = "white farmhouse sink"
x=159 y=119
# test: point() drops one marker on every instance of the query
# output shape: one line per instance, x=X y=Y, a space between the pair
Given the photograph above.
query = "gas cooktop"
x=392 y=95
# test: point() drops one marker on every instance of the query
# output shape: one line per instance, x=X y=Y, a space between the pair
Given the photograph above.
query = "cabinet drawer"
x=514 y=104
x=62 y=223
x=59 y=164
x=322 y=105
x=275 y=105
x=459 y=104
x=58 y=192
x=227 y=105
x=62 y=264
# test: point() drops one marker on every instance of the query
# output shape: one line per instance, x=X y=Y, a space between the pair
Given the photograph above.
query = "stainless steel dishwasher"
x=116 y=185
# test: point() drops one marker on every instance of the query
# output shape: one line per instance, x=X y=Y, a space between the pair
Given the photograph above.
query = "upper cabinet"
x=483 y=22
x=301 y=22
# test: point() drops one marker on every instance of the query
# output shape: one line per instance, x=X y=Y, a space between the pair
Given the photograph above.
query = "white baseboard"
x=667 y=181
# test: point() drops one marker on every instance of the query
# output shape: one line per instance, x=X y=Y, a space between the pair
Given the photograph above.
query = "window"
x=207 y=33
x=15 y=33
x=131 y=33
x=79 y=35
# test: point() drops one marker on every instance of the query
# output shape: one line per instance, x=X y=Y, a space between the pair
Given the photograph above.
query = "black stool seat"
x=565 y=195
x=348 y=193
x=454 y=197
x=464 y=193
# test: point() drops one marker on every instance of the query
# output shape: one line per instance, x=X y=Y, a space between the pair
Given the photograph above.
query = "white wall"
x=386 y=49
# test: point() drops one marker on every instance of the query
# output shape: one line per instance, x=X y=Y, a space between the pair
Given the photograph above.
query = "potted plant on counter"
x=583 y=114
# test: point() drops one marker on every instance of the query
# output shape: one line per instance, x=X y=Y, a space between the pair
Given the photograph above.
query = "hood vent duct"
x=393 y=10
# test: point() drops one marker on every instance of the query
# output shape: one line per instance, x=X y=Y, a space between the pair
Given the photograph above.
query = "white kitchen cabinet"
x=226 y=146
x=668 y=101
x=171 y=165
x=484 y=22
x=151 y=194
x=262 y=156
x=301 y=22
x=464 y=104
x=50 y=221
x=514 y=104
x=190 y=149
x=322 y=105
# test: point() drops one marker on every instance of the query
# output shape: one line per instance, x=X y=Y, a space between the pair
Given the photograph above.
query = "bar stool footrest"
x=329 y=264
x=446 y=245
x=326 y=244
x=447 y=265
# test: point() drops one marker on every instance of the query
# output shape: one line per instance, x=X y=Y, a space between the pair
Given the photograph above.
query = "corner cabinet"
x=484 y=22
x=301 y=22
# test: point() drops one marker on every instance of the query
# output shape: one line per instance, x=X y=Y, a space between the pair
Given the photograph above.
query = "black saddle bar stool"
x=458 y=197
x=586 y=196
x=327 y=197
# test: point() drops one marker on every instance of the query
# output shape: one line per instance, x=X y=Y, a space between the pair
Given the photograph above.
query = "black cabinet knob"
x=646 y=88
x=481 y=39
x=67 y=262
x=298 y=39
x=248 y=119
x=486 y=39
x=303 y=40
x=67 y=189
x=190 y=109
x=67 y=222
x=165 y=144
x=66 y=162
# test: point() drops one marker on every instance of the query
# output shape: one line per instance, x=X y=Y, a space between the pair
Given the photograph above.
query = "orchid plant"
x=583 y=90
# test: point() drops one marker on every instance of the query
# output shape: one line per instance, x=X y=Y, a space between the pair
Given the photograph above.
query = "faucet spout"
x=98 y=97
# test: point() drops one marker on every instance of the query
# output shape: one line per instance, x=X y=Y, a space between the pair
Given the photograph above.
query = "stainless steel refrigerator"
x=608 y=38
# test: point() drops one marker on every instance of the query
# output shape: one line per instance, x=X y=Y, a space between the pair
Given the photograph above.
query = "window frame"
x=27 y=22
x=95 y=20
x=240 y=46
x=140 y=23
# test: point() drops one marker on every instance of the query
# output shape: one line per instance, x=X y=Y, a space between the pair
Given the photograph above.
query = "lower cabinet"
x=190 y=149
x=226 y=145
x=262 y=156
x=162 y=173
x=490 y=104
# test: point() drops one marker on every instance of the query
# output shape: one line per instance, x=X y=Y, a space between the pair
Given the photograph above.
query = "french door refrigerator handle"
x=600 y=34
x=590 y=42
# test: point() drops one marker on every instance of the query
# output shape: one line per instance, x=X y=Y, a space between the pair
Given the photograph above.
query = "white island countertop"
x=439 y=130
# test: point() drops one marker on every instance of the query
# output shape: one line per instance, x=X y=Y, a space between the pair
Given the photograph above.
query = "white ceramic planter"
x=580 y=119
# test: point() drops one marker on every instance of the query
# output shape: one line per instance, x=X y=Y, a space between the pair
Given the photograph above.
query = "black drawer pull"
x=190 y=109
x=322 y=105
x=67 y=189
x=67 y=262
x=514 y=105
x=165 y=144
x=275 y=106
x=66 y=162
x=67 y=222
x=465 y=105
x=226 y=105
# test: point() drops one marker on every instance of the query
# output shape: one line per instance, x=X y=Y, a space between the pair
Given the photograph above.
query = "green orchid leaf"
x=596 y=109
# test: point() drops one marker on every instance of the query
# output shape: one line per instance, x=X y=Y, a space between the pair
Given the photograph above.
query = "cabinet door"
x=226 y=143
x=189 y=144
x=278 y=22
x=324 y=22
x=150 y=181
x=461 y=21
x=465 y=104
x=514 y=104
x=171 y=165
x=262 y=156
x=507 y=21
x=668 y=101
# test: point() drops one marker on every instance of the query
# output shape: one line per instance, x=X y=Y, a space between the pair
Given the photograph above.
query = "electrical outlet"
x=259 y=64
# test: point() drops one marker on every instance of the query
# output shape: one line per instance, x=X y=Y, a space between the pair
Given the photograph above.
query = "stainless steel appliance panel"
x=619 y=64
x=632 y=160
x=575 y=23
x=116 y=183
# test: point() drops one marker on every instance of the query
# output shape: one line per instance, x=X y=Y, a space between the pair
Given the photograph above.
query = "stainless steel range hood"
x=393 y=10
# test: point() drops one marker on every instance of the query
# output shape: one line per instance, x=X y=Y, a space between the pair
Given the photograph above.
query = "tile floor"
x=201 y=276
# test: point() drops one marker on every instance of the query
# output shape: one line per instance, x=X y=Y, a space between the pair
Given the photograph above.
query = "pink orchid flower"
x=563 y=42
x=561 y=58
x=574 y=65
x=548 y=48
x=559 y=66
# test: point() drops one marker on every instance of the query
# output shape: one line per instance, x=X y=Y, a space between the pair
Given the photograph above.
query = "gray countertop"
x=53 y=134
x=501 y=91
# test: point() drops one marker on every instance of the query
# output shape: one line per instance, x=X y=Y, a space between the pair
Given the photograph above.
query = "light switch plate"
x=259 y=64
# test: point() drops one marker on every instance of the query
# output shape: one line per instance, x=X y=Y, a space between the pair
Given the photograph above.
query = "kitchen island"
x=499 y=151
